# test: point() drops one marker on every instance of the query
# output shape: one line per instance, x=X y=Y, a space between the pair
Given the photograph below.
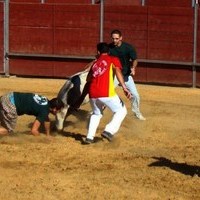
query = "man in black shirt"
x=128 y=57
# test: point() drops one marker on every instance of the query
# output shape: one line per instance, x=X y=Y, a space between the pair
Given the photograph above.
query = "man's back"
x=31 y=104
x=102 y=84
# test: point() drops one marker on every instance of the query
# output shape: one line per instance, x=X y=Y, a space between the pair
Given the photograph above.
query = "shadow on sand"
x=78 y=136
x=191 y=170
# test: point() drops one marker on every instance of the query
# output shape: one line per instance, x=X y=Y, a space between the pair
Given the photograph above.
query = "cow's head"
x=63 y=95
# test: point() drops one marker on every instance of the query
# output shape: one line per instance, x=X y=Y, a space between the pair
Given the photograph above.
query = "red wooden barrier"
x=45 y=68
x=164 y=74
x=198 y=77
x=53 y=1
x=158 y=33
x=169 y=3
x=123 y=2
x=69 y=1
x=32 y=30
x=133 y=25
x=54 y=30
x=198 y=39
x=1 y=37
x=198 y=52
x=25 y=1
x=170 y=34
x=76 y=29
x=115 y=2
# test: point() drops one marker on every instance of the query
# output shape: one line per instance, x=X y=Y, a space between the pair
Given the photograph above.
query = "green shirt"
x=126 y=53
x=32 y=104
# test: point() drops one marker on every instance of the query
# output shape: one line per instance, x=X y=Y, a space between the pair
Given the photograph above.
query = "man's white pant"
x=116 y=105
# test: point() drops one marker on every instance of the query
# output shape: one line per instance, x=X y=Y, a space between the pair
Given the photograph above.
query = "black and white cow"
x=69 y=94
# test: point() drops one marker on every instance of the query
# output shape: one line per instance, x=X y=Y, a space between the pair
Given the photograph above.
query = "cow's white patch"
x=60 y=117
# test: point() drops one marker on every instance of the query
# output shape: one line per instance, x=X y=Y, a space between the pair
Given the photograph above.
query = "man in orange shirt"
x=102 y=93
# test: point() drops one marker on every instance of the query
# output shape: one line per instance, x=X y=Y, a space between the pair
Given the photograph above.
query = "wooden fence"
x=58 y=38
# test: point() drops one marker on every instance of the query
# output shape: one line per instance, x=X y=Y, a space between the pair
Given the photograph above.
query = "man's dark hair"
x=116 y=31
x=56 y=103
x=103 y=47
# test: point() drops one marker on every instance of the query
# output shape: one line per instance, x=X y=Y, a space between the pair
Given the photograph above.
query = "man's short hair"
x=56 y=103
x=103 y=47
x=116 y=31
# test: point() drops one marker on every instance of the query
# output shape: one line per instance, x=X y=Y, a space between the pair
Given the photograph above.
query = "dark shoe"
x=88 y=141
x=107 y=135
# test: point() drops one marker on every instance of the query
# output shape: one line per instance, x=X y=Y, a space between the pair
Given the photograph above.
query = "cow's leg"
x=60 y=118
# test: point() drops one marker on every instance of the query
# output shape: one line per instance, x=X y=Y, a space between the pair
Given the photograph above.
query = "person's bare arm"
x=47 y=125
x=121 y=81
x=133 y=67
x=88 y=66
x=35 y=128
x=3 y=131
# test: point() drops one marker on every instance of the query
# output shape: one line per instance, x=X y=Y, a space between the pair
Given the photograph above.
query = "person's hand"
x=49 y=138
x=35 y=133
x=132 y=71
x=127 y=93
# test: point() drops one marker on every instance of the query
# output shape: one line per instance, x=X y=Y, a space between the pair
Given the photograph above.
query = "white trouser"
x=116 y=105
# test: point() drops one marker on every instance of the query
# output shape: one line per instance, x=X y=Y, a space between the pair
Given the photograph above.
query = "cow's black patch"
x=75 y=92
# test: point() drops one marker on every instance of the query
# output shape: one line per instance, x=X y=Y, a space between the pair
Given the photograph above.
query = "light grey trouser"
x=135 y=101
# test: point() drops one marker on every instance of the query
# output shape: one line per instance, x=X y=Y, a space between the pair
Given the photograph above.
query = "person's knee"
x=3 y=131
x=96 y=115
x=125 y=110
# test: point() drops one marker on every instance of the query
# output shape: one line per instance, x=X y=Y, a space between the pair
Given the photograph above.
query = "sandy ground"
x=155 y=159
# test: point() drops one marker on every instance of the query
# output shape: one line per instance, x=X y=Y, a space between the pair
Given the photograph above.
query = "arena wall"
x=49 y=33
x=1 y=37
x=58 y=38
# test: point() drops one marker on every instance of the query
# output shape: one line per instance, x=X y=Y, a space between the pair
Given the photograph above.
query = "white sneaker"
x=140 y=117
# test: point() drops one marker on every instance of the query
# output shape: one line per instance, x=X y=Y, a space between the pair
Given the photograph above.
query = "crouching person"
x=15 y=104
x=102 y=93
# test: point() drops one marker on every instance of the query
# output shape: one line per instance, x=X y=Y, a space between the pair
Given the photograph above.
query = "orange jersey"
x=102 y=82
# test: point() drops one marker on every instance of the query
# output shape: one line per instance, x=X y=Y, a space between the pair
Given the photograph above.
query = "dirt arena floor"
x=156 y=159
